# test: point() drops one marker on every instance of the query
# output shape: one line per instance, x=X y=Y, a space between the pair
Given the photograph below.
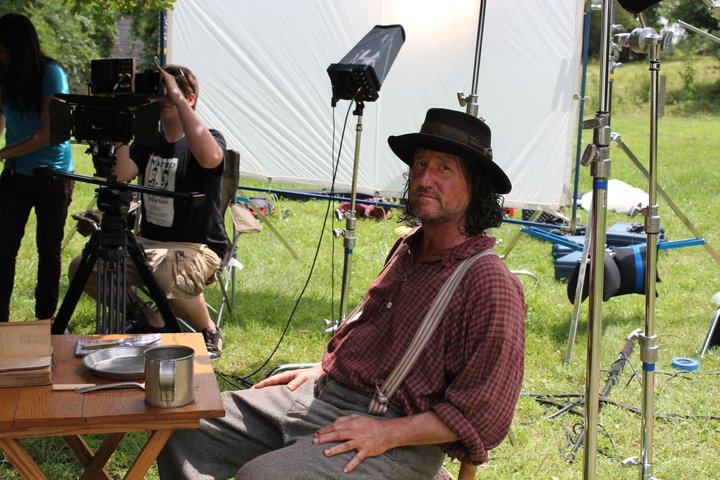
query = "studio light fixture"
x=360 y=74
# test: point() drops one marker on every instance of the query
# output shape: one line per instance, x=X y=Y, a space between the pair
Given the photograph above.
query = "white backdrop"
x=262 y=69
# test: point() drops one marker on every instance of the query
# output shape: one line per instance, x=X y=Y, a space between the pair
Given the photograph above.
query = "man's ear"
x=192 y=99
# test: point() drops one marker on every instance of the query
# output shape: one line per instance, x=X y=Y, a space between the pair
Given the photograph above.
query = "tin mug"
x=169 y=376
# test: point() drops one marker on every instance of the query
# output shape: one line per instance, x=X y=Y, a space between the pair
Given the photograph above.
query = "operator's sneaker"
x=213 y=342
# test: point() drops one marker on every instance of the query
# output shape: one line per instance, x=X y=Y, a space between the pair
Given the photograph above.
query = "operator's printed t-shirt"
x=160 y=173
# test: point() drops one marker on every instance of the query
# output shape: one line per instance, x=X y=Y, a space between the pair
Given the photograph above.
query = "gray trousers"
x=267 y=434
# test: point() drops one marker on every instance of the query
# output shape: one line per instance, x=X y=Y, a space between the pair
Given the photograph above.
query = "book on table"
x=25 y=353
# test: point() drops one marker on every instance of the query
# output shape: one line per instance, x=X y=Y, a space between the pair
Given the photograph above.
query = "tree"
x=146 y=27
x=74 y=32
x=696 y=14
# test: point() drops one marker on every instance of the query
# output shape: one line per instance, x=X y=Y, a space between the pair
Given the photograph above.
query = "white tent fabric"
x=262 y=70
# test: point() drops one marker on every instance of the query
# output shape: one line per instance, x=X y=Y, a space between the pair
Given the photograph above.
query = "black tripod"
x=108 y=248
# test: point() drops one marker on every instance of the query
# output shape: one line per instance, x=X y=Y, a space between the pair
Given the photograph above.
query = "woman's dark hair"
x=485 y=207
x=21 y=81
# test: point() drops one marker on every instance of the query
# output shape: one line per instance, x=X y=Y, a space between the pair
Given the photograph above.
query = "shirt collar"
x=453 y=255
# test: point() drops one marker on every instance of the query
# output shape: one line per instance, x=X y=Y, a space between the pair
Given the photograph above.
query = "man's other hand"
x=366 y=435
x=293 y=378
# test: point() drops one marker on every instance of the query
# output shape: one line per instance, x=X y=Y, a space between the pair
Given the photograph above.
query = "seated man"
x=459 y=396
x=183 y=244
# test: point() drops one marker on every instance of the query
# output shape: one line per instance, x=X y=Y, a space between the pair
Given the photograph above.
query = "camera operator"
x=183 y=244
x=28 y=82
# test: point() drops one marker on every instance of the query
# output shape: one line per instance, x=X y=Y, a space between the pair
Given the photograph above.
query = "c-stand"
x=109 y=247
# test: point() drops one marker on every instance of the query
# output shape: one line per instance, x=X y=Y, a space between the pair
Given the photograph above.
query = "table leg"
x=95 y=468
x=84 y=453
x=149 y=453
x=18 y=456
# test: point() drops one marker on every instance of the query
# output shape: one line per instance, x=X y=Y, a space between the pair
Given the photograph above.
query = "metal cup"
x=169 y=376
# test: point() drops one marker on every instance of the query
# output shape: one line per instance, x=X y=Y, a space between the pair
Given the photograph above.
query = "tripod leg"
x=77 y=286
x=156 y=293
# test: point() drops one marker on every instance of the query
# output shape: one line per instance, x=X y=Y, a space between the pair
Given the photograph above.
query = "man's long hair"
x=485 y=207
x=21 y=81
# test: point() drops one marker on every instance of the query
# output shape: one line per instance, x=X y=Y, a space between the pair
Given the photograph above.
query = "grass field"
x=687 y=430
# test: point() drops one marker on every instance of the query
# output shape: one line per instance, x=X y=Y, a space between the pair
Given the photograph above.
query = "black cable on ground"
x=245 y=379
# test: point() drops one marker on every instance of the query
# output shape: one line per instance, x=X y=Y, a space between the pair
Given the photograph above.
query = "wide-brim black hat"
x=456 y=133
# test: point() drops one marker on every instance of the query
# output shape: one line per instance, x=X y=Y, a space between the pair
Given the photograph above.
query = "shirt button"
x=389 y=305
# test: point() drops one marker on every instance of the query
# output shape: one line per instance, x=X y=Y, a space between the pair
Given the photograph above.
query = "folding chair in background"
x=243 y=222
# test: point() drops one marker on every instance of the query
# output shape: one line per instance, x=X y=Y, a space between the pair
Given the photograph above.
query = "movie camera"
x=121 y=108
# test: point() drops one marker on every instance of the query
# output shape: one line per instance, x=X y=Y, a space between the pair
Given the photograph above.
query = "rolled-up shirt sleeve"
x=480 y=400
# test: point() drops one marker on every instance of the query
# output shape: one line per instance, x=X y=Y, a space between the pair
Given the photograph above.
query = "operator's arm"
x=370 y=436
x=125 y=169
x=35 y=141
x=202 y=144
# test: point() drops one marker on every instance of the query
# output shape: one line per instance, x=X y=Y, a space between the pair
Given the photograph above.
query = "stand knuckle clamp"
x=652 y=225
x=600 y=169
x=639 y=40
x=648 y=349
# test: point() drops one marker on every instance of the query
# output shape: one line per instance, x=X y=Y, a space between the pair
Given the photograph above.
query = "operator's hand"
x=173 y=94
x=292 y=379
x=366 y=435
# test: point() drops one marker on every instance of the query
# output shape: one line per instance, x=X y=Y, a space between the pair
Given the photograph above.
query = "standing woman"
x=28 y=81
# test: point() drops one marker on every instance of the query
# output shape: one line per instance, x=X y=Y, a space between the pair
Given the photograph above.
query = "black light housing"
x=637 y=6
x=361 y=73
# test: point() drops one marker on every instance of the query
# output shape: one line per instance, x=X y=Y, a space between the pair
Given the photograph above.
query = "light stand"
x=358 y=77
x=597 y=155
x=350 y=218
x=647 y=40
x=471 y=100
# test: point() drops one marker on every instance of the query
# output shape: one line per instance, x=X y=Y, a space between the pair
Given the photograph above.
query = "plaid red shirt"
x=470 y=372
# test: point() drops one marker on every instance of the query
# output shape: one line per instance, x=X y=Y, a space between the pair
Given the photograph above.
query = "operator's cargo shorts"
x=181 y=269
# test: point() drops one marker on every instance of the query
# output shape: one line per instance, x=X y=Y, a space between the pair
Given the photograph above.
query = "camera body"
x=121 y=108
x=117 y=76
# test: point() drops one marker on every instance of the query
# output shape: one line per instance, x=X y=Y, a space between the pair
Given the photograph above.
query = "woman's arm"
x=35 y=141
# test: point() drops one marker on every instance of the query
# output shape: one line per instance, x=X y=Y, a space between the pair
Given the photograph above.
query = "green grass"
x=271 y=282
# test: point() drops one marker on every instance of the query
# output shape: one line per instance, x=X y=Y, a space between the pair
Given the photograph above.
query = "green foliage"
x=696 y=14
x=146 y=27
x=692 y=86
x=692 y=12
x=98 y=8
x=658 y=16
x=73 y=40
x=74 y=32
x=687 y=73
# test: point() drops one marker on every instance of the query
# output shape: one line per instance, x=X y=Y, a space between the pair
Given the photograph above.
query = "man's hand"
x=292 y=379
x=368 y=436
x=174 y=95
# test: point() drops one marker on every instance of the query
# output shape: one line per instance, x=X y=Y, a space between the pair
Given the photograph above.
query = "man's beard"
x=440 y=214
